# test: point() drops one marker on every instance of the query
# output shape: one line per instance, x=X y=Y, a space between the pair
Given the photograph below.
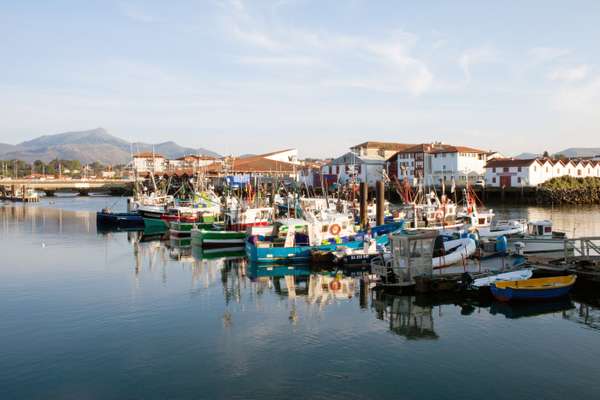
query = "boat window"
x=481 y=221
x=540 y=230
x=548 y=229
x=325 y=228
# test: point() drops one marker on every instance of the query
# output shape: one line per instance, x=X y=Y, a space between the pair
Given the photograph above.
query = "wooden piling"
x=364 y=195
x=380 y=199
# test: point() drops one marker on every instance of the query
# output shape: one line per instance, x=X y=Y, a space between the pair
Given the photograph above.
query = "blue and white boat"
x=293 y=240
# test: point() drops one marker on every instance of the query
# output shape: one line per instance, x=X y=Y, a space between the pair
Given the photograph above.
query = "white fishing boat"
x=539 y=240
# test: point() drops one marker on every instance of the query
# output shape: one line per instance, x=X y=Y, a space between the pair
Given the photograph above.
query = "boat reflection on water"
x=406 y=317
x=523 y=309
x=317 y=287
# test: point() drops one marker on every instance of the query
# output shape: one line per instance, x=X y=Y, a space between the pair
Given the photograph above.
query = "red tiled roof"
x=434 y=148
x=510 y=162
x=255 y=164
x=383 y=145
x=147 y=154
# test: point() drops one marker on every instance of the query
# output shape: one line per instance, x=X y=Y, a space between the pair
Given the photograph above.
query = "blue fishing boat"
x=533 y=289
x=108 y=219
x=296 y=246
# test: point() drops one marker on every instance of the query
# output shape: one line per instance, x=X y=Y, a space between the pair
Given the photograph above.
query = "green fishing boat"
x=184 y=229
x=217 y=239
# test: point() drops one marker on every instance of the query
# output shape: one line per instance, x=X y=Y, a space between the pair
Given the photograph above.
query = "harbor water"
x=116 y=315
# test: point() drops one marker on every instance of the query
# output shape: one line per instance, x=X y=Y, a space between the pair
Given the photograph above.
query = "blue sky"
x=246 y=76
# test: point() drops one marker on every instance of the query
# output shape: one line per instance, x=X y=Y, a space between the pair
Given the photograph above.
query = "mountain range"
x=90 y=146
x=573 y=152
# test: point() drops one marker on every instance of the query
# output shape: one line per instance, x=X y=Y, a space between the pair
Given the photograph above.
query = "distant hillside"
x=527 y=156
x=89 y=146
x=580 y=152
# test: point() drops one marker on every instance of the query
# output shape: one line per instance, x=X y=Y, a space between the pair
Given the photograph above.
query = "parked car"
x=480 y=183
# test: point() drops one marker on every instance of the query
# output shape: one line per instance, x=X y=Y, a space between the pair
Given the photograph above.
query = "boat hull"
x=297 y=254
x=217 y=239
x=548 y=288
x=119 y=220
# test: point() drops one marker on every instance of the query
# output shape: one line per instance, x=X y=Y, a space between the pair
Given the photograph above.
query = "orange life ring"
x=335 y=229
x=335 y=285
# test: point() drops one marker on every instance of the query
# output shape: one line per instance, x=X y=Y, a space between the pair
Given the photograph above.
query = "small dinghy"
x=533 y=289
x=519 y=275
x=448 y=251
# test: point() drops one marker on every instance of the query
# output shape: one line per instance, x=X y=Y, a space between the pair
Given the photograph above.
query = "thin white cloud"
x=570 y=74
x=540 y=55
x=372 y=62
x=472 y=57
x=580 y=99
x=135 y=13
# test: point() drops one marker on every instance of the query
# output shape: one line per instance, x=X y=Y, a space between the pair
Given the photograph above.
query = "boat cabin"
x=412 y=254
x=539 y=228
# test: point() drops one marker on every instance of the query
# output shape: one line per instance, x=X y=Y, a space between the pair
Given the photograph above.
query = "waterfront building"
x=436 y=162
x=379 y=149
x=354 y=167
x=149 y=162
x=509 y=172
x=190 y=162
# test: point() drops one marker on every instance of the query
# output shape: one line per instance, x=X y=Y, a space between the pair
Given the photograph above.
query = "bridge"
x=82 y=186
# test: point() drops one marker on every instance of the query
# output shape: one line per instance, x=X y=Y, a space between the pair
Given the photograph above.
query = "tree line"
x=19 y=168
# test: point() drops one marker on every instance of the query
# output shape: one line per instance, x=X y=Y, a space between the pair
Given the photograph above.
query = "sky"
x=239 y=76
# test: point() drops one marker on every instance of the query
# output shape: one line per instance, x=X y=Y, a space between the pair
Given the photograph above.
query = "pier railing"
x=582 y=248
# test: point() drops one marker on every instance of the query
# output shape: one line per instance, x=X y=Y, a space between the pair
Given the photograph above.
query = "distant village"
x=429 y=164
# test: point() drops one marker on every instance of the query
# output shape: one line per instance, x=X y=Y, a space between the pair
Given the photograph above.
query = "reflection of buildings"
x=405 y=316
x=38 y=219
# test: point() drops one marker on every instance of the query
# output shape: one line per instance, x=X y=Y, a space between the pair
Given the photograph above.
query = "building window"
x=505 y=169
x=494 y=169
x=494 y=179
x=519 y=169
x=579 y=172
x=519 y=180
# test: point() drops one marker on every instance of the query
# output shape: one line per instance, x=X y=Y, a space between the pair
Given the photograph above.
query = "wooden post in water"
x=364 y=194
x=380 y=201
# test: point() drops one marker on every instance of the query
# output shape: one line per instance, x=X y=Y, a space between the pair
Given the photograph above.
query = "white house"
x=532 y=172
x=352 y=166
x=149 y=162
x=434 y=162
x=381 y=149
x=288 y=156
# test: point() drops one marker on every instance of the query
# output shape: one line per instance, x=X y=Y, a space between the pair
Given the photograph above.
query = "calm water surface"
x=85 y=315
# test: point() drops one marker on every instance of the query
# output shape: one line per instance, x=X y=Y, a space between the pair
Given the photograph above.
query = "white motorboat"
x=540 y=240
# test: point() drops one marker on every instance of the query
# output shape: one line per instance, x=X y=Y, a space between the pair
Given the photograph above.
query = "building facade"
x=378 y=149
x=533 y=172
x=433 y=163
x=149 y=162
x=352 y=167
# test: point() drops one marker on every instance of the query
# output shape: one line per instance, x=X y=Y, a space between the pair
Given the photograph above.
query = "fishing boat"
x=184 y=229
x=483 y=220
x=540 y=240
x=533 y=289
x=107 y=218
x=293 y=240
